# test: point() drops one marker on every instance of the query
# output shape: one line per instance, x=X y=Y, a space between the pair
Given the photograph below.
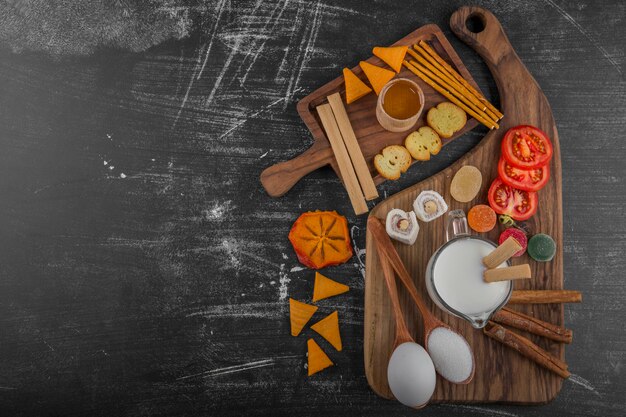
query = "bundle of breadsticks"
x=434 y=71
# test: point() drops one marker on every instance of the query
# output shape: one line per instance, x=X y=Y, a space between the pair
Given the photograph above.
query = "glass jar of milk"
x=454 y=275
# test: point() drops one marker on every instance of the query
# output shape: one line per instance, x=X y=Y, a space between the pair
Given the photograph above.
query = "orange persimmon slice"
x=355 y=88
x=392 y=55
x=377 y=76
x=325 y=287
x=328 y=328
x=320 y=239
x=299 y=315
x=318 y=360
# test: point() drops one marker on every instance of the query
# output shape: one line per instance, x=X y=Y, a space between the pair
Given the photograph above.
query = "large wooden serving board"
x=502 y=375
x=279 y=178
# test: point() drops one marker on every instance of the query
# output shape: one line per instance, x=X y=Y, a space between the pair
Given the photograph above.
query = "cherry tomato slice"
x=526 y=147
x=524 y=179
x=518 y=204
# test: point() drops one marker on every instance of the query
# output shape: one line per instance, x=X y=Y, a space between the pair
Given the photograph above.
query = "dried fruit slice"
x=325 y=287
x=355 y=88
x=299 y=315
x=321 y=238
x=377 y=76
x=328 y=328
x=466 y=184
x=481 y=218
x=392 y=55
x=318 y=360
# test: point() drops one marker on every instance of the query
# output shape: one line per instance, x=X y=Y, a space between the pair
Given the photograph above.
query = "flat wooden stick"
x=527 y=348
x=502 y=253
x=545 y=297
x=349 y=138
x=458 y=76
x=533 y=325
x=507 y=274
x=343 y=159
x=448 y=95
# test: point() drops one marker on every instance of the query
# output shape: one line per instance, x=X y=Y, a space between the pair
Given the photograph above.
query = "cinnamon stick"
x=526 y=348
x=533 y=325
x=545 y=297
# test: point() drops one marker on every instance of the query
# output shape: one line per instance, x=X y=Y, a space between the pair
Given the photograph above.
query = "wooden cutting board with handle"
x=502 y=375
x=279 y=178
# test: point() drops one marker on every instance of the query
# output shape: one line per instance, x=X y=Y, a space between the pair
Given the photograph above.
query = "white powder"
x=451 y=354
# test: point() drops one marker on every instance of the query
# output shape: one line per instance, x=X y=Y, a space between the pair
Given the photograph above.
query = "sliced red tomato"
x=526 y=147
x=518 y=204
x=533 y=179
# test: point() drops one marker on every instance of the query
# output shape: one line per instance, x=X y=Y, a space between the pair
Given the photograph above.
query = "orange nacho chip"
x=328 y=328
x=355 y=88
x=325 y=287
x=377 y=76
x=318 y=360
x=321 y=238
x=299 y=315
x=392 y=55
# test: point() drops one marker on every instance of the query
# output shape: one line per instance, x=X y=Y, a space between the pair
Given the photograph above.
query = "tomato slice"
x=524 y=179
x=518 y=204
x=526 y=147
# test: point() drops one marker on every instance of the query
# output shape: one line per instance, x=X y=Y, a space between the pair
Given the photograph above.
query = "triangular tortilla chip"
x=326 y=287
x=377 y=76
x=318 y=360
x=328 y=328
x=299 y=315
x=392 y=55
x=355 y=88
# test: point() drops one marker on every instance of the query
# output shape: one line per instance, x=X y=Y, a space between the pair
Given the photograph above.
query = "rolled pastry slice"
x=429 y=205
x=402 y=226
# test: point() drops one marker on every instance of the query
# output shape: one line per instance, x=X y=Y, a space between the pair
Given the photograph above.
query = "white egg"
x=411 y=375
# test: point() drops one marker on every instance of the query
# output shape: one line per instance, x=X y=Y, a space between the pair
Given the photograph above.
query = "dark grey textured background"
x=144 y=271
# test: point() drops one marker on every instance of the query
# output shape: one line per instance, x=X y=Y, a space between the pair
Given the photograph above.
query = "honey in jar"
x=401 y=100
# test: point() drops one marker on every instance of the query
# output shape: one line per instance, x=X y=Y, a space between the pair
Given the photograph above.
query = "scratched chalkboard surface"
x=144 y=271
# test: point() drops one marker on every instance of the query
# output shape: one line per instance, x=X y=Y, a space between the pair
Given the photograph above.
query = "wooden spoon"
x=388 y=254
x=410 y=372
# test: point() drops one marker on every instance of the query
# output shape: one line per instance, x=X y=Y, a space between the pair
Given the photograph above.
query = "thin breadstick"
x=444 y=75
x=432 y=65
x=458 y=76
x=490 y=124
x=479 y=101
x=423 y=66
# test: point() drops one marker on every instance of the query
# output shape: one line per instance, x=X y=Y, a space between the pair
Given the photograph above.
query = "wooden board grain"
x=279 y=178
x=502 y=375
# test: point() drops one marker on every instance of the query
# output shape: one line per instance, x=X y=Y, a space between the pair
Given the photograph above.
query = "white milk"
x=458 y=277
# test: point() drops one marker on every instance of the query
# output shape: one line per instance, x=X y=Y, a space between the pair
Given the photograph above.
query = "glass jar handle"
x=457 y=225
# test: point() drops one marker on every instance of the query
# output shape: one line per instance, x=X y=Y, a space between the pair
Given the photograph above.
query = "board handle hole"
x=475 y=23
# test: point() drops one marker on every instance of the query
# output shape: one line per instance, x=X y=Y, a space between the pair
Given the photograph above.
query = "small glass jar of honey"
x=399 y=105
